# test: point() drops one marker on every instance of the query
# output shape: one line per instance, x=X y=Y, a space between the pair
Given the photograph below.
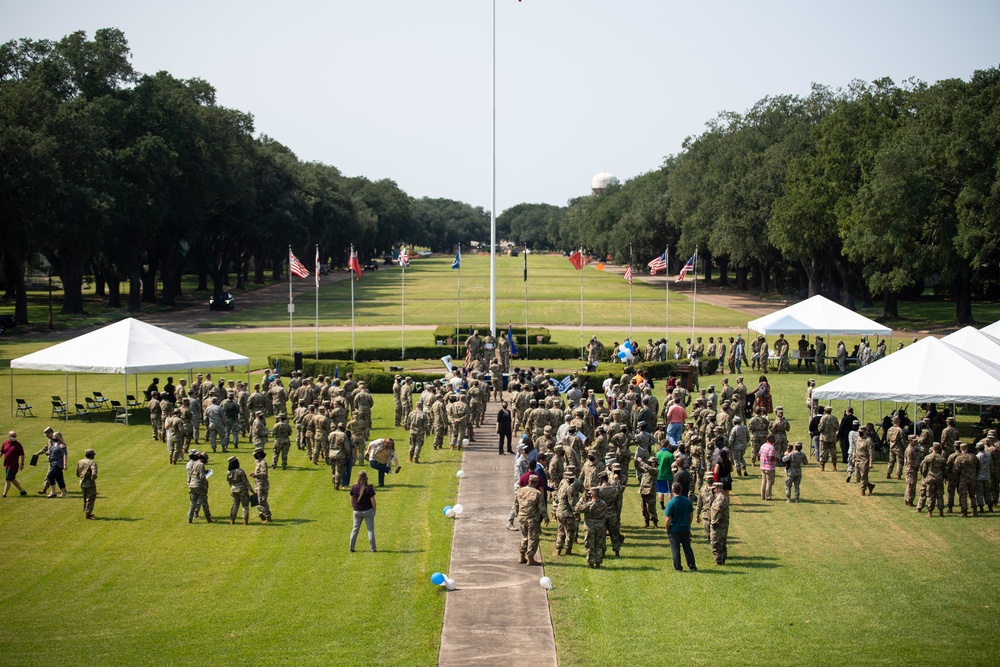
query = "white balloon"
x=460 y=474
x=450 y=584
x=465 y=442
x=458 y=509
x=545 y=582
x=450 y=513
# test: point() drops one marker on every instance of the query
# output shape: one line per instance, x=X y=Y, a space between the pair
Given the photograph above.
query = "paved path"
x=498 y=602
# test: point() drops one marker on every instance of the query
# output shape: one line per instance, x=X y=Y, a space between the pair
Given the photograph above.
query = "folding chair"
x=82 y=412
x=100 y=400
x=58 y=409
x=23 y=408
x=121 y=414
x=92 y=404
x=131 y=402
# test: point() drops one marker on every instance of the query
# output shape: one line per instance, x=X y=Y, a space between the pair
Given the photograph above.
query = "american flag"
x=658 y=264
x=354 y=265
x=404 y=259
x=628 y=274
x=317 y=265
x=687 y=267
x=295 y=266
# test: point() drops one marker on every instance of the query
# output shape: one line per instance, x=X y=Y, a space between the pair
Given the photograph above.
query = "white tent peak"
x=817 y=315
x=992 y=329
x=126 y=347
x=974 y=341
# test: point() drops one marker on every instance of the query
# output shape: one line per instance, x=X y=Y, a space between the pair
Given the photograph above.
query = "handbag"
x=34 y=460
x=254 y=501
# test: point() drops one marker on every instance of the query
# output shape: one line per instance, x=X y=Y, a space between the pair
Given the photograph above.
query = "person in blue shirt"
x=679 y=513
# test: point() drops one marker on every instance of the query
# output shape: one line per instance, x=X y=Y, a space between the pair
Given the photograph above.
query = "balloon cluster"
x=452 y=512
x=439 y=579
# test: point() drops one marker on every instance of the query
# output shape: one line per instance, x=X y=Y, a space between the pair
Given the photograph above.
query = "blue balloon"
x=621 y=355
x=445 y=510
x=437 y=578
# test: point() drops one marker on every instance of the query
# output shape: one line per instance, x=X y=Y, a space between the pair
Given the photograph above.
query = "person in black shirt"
x=504 y=427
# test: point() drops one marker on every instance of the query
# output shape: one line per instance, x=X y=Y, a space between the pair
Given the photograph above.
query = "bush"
x=375 y=375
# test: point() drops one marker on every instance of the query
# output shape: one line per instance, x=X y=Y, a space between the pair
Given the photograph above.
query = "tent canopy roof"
x=974 y=341
x=929 y=371
x=817 y=315
x=129 y=346
x=992 y=330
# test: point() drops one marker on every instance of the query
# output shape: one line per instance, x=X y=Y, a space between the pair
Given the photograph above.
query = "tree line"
x=877 y=191
x=137 y=178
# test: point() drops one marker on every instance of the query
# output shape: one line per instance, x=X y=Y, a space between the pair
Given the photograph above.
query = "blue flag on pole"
x=510 y=338
x=458 y=260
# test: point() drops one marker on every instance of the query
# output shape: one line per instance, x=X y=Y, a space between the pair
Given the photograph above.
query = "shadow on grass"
x=715 y=571
x=293 y=522
x=117 y=518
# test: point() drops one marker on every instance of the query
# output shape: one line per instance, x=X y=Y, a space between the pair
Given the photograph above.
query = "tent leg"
x=66 y=414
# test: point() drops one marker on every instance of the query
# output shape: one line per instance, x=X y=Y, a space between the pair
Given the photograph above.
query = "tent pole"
x=11 y=392
x=125 y=402
x=66 y=414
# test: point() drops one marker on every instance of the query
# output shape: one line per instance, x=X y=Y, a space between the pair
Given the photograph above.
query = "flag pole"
x=666 y=296
x=630 y=292
x=291 y=305
x=581 y=304
x=402 y=311
x=317 y=301
x=694 y=303
x=493 y=189
x=353 y=278
x=458 y=310
x=526 y=348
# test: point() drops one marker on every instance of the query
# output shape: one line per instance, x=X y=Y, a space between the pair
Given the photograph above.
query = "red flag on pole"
x=354 y=265
x=628 y=274
x=295 y=266
x=576 y=259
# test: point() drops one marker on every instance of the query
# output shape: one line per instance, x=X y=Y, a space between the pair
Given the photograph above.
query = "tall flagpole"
x=525 y=281
x=291 y=305
x=666 y=296
x=694 y=304
x=630 y=293
x=353 y=278
x=317 y=301
x=458 y=309
x=493 y=189
x=402 y=311
x=581 y=304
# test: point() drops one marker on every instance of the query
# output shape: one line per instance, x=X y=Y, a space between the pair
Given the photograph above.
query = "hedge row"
x=390 y=354
x=444 y=332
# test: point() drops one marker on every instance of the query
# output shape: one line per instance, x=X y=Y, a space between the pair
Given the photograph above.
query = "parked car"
x=424 y=253
x=222 y=301
x=387 y=259
x=370 y=266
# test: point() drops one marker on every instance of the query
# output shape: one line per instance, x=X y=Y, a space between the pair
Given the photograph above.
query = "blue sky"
x=402 y=89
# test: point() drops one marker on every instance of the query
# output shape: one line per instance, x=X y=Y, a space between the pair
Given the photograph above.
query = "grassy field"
x=431 y=292
x=141 y=586
x=836 y=579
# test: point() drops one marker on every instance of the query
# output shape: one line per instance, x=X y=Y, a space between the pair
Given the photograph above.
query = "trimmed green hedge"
x=444 y=332
x=658 y=370
x=375 y=375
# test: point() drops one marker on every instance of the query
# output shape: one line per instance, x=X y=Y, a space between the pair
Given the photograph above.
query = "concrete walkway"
x=498 y=602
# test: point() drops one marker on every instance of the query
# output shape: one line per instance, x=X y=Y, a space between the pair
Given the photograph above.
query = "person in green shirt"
x=664 y=476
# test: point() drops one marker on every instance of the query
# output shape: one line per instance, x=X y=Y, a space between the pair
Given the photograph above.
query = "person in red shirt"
x=13 y=462
x=676 y=415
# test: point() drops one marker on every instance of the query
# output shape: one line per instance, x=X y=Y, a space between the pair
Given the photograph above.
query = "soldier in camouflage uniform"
x=86 y=470
x=594 y=511
x=458 y=420
x=647 y=489
x=703 y=508
x=175 y=441
x=198 y=486
x=567 y=496
x=321 y=438
x=951 y=475
x=738 y=437
x=282 y=433
x=187 y=423
x=719 y=517
x=477 y=404
x=156 y=416
x=896 y=439
x=863 y=452
x=337 y=453
x=949 y=436
x=911 y=460
x=528 y=505
x=758 y=427
x=828 y=426
x=990 y=443
x=416 y=424
x=406 y=398
x=259 y=476
x=612 y=490
x=779 y=429
x=966 y=469
x=397 y=401
x=259 y=431
x=440 y=414
x=793 y=460
x=932 y=469
x=243 y=400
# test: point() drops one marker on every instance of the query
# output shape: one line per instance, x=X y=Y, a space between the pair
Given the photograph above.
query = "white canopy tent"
x=126 y=348
x=817 y=315
x=929 y=371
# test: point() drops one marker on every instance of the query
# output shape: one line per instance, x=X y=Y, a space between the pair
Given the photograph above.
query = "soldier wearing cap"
x=282 y=432
x=594 y=511
x=949 y=436
x=397 y=402
x=239 y=488
x=911 y=460
x=86 y=470
x=896 y=439
x=828 y=427
x=647 y=470
x=719 y=523
x=231 y=418
x=173 y=428
x=703 y=508
x=567 y=495
x=528 y=507
x=198 y=485
x=793 y=459
x=416 y=424
x=779 y=429
x=991 y=448
x=259 y=431
x=932 y=490
x=259 y=475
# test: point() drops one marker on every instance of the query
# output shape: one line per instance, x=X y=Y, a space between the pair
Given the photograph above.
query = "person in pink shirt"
x=676 y=415
x=768 y=460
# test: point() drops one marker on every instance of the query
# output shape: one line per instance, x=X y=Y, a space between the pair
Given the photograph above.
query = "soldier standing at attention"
x=719 y=521
x=594 y=511
x=932 y=468
x=198 y=486
x=949 y=436
x=259 y=432
x=863 y=452
x=567 y=496
x=282 y=433
x=239 y=487
x=758 y=427
x=416 y=424
x=528 y=504
x=966 y=469
x=156 y=416
x=86 y=470
x=337 y=454
x=397 y=401
x=458 y=418
x=406 y=397
x=828 y=426
x=259 y=475
x=911 y=458
x=896 y=438
x=648 y=470
x=793 y=460
x=983 y=495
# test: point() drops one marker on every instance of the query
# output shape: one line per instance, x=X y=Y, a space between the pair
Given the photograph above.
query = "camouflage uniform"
x=932 y=469
x=397 y=402
x=703 y=509
x=647 y=490
x=794 y=461
x=156 y=418
x=528 y=503
x=416 y=423
x=896 y=438
x=197 y=489
x=758 y=427
x=458 y=422
x=282 y=432
x=911 y=458
x=259 y=475
x=259 y=432
x=720 y=526
x=951 y=477
x=239 y=487
x=966 y=469
x=337 y=454
x=86 y=470
x=567 y=496
x=440 y=423
x=594 y=513
x=828 y=426
x=863 y=463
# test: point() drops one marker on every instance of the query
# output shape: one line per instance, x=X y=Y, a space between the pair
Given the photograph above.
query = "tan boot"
x=522 y=560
